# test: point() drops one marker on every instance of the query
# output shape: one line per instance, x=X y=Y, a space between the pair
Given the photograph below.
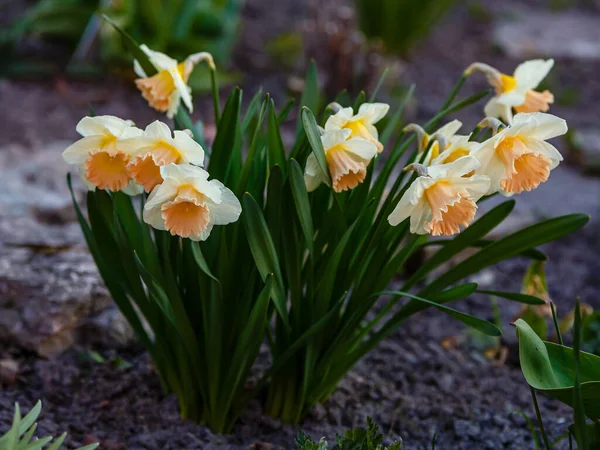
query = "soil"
x=411 y=384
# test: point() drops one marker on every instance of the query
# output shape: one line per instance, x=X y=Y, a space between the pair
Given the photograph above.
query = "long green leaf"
x=263 y=251
x=301 y=201
x=481 y=325
x=314 y=139
x=516 y=297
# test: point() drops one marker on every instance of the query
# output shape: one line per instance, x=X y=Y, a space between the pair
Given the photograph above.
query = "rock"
x=108 y=329
x=49 y=283
x=9 y=369
x=45 y=297
x=542 y=34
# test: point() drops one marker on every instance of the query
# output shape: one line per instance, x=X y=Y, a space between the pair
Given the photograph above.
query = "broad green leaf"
x=550 y=368
x=314 y=138
x=263 y=251
x=301 y=201
x=516 y=297
x=486 y=327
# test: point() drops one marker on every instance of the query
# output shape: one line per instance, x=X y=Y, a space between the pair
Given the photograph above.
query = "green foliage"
x=399 y=23
x=21 y=433
x=176 y=27
x=355 y=439
x=590 y=333
x=303 y=269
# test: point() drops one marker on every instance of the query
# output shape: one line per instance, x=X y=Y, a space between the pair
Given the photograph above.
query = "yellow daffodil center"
x=536 y=102
x=458 y=153
x=158 y=88
x=450 y=207
x=106 y=167
x=508 y=83
x=346 y=172
x=145 y=170
x=524 y=170
x=187 y=215
x=359 y=129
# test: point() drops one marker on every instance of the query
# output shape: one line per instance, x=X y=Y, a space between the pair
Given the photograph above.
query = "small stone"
x=9 y=369
x=467 y=428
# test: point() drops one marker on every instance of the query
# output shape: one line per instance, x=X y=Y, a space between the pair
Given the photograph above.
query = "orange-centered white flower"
x=442 y=200
x=165 y=90
x=361 y=124
x=347 y=160
x=187 y=204
x=517 y=90
x=101 y=160
x=518 y=158
x=157 y=147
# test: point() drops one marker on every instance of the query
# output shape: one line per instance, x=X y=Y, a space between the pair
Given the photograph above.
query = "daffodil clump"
x=211 y=251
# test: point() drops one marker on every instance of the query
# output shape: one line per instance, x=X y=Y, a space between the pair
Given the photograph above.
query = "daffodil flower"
x=165 y=90
x=157 y=147
x=443 y=135
x=347 y=160
x=441 y=199
x=101 y=160
x=187 y=204
x=361 y=124
x=517 y=90
x=458 y=147
x=518 y=158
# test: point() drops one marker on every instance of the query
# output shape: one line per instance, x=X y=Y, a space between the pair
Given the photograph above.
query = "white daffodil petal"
x=531 y=73
x=182 y=172
x=191 y=151
x=361 y=148
x=162 y=193
x=159 y=60
x=183 y=89
x=373 y=111
x=229 y=209
x=541 y=126
x=450 y=129
x=313 y=175
x=332 y=138
x=338 y=120
x=157 y=129
x=458 y=168
x=493 y=108
x=138 y=69
x=544 y=148
x=477 y=185
x=79 y=151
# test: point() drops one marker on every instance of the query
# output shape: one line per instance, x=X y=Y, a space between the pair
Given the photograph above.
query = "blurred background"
x=58 y=58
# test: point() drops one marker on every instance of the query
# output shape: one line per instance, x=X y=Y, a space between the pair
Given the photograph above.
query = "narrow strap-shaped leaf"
x=30 y=418
x=251 y=110
x=199 y=258
x=516 y=297
x=455 y=293
x=509 y=246
x=134 y=48
x=310 y=94
x=464 y=240
x=302 y=204
x=263 y=251
x=379 y=84
x=476 y=323
x=314 y=139
x=226 y=140
x=531 y=253
x=580 y=427
x=276 y=149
